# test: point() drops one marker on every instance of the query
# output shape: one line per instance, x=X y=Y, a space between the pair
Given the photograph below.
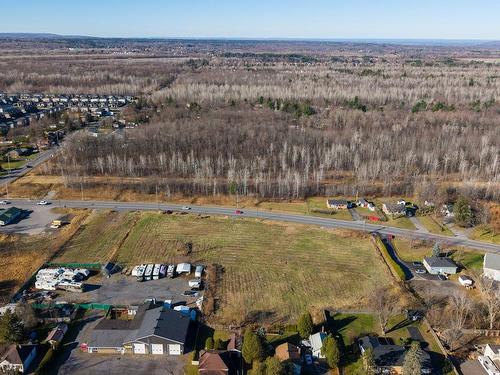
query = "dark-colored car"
x=190 y=293
x=442 y=277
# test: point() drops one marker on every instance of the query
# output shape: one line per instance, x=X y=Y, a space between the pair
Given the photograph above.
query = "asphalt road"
x=42 y=157
x=275 y=216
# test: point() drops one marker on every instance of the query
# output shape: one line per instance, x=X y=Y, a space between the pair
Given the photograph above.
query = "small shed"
x=465 y=280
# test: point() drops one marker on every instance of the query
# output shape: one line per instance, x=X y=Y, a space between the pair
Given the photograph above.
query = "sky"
x=295 y=19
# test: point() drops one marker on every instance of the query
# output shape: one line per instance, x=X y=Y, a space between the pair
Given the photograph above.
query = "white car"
x=4 y=202
x=185 y=208
x=42 y=203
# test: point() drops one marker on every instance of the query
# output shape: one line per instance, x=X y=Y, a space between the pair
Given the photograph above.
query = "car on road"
x=42 y=203
x=238 y=212
x=442 y=277
x=4 y=202
x=185 y=208
x=29 y=166
x=420 y=271
x=190 y=293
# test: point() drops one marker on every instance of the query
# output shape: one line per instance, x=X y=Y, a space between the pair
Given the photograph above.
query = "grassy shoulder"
x=433 y=225
x=484 y=233
x=395 y=267
x=274 y=267
x=400 y=222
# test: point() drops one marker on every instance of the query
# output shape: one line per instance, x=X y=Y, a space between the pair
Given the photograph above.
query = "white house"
x=16 y=358
x=491 y=359
x=316 y=341
x=437 y=265
x=491 y=266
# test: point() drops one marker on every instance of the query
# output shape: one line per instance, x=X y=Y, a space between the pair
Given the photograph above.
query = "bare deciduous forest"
x=279 y=119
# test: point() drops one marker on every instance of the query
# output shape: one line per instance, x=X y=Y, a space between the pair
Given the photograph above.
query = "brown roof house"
x=290 y=353
x=16 y=358
x=55 y=336
x=219 y=362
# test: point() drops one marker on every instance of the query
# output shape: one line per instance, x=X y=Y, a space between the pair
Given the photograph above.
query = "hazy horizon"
x=275 y=19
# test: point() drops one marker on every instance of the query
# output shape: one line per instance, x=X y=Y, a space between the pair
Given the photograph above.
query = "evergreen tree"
x=305 y=325
x=273 y=366
x=11 y=328
x=411 y=364
x=252 y=347
x=330 y=350
x=463 y=212
x=436 y=250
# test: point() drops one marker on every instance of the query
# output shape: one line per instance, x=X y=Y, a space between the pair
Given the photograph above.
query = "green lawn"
x=433 y=225
x=469 y=259
x=400 y=222
x=409 y=251
x=14 y=164
x=352 y=326
x=309 y=207
x=484 y=233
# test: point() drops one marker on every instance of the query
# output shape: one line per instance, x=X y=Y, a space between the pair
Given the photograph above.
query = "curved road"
x=265 y=215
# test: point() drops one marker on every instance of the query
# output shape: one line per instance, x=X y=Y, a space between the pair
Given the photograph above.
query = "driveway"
x=418 y=224
x=355 y=214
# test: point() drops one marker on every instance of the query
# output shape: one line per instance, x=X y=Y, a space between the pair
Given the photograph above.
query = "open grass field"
x=271 y=270
x=433 y=225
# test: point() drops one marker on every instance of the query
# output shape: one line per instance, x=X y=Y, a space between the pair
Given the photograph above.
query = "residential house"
x=365 y=204
x=16 y=358
x=287 y=351
x=55 y=337
x=339 y=204
x=291 y=353
x=316 y=341
x=10 y=215
x=440 y=265
x=490 y=360
x=394 y=209
x=388 y=357
x=154 y=330
x=219 y=362
x=491 y=266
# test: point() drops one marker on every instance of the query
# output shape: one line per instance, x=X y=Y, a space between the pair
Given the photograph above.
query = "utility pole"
x=8 y=175
x=156 y=194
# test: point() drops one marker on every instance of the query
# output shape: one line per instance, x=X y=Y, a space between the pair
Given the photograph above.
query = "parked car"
x=442 y=277
x=238 y=212
x=42 y=203
x=4 y=202
x=420 y=271
x=190 y=293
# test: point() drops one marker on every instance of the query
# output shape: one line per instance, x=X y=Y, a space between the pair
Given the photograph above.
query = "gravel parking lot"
x=125 y=290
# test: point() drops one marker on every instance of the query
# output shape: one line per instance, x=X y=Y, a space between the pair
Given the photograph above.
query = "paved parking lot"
x=38 y=218
x=89 y=364
x=125 y=290
x=73 y=361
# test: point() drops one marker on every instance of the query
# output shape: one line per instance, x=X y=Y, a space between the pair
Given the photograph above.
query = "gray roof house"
x=394 y=209
x=440 y=265
x=316 y=341
x=154 y=330
x=16 y=358
x=491 y=266
x=390 y=357
x=338 y=204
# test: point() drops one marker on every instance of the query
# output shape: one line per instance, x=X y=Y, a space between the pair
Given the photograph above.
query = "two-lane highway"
x=14 y=174
x=266 y=215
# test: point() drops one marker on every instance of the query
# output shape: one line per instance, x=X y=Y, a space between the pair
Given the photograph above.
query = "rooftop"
x=439 y=262
x=492 y=261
